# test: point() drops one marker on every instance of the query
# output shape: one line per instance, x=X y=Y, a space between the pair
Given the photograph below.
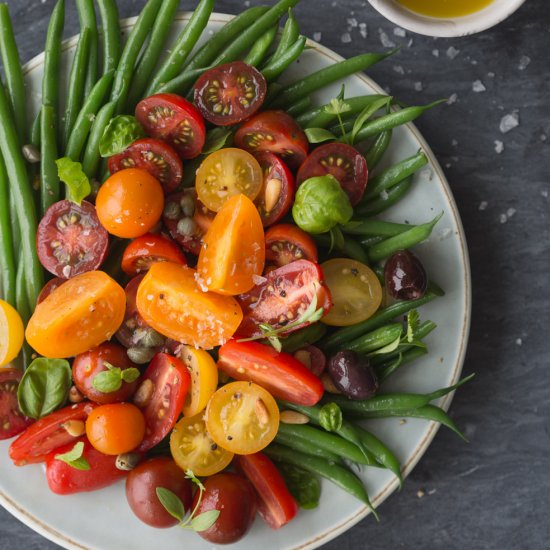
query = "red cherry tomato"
x=12 y=420
x=282 y=297
x=48 y=288
x=64 y=479
x=276 y=132
x=161 y=396
x=286 y=243
x=148 y=249
x=175 y=120
x=154 y=156
x=141 y=485
x=70 y=240
x=278 y=372
x=277 y=193
x=234 y=496
x=230 y=93
x=276 y=505
x=49 y=433
x=342 y=161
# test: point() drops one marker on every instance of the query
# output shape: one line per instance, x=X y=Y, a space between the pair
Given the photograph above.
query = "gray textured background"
x=493 y=493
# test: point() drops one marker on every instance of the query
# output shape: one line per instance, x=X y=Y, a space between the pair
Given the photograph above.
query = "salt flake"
x=544 y=193
x=503 y=218
x=363 y=30
x=346 y=38
x=509 y=122
x=398 y=31
x=510 y=212
x=435 y=53
x=352 y=22
x=418 y=86
x=399 y=69
x=452 y=52
x=477 y=86
x=317 y=36
x=519 y=341
x=452 y=99
x=483 y=205
x=524 y=62
x=499 y=146
x=386 y=41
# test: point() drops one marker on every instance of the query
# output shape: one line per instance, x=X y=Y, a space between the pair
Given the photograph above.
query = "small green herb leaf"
x=216 y=139
x=130 y=375
x=318 y=135
x=72 y=175
x=392 y=346
x=366 y=113
x=111 y=380
x=74 y=457
x=121 y=132
x=413 y=320
x=171 y=502
x=337 y=106
x=190 y=475
x=204 y=521
x=330 y=417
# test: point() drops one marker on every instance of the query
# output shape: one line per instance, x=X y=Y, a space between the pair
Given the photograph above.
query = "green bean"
x=291 y=32
x=337 y=474
x=393 y=175
x=110 y=22
x=21 y=298
x=7 y=265
x=277 y=65
x=376 y=339
x=374 y=228
x=90 y=164
x=183 y=46
x=85 y=118
x=180 y=84
x=303 y=337
x=378 y=148
x=305 y=446
x=35 y=129
x=365 y=242
x=87 y=18
x=386 y=369
x=259 y=49
x=350 y=248
x=405 y=240
x=386 y=200
x=299 y=107
x=153 y=51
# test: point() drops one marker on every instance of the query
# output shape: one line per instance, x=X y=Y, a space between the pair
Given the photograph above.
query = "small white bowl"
x=489 y=16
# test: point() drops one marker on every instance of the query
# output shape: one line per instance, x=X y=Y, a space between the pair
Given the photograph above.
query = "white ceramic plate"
x=103 y=520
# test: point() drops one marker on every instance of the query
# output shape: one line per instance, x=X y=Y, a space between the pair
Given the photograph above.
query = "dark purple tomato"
x=313 y=358
x=405 y=276
x=352 y=375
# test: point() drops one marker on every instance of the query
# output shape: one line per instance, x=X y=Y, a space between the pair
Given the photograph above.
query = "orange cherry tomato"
x=115 y=428
x=233 y=252
x=77 y=316
x=130 y=203
x=171 y=301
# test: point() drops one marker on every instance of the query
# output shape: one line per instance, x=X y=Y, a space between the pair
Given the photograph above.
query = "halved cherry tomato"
x=77 y=316
x=312 y=358
x=11 y=333
x=282 y=297
x=130 y=203
x=276 y=132
x=286 y=243
x=275 y=503
x=193 y=448
x=277 y=193
x=170 y=300
x=187 y=219
x=12 y=420
x=230 y=93
x=161 y=396
x=70 y=240
x=175 y=120
x=226 y=173
x=54 y=430
x=342 y=161
x=154 y=156
x=233 y=254
x=64 y=479
x=278 y=372
x=148 y=249
x=49 y=287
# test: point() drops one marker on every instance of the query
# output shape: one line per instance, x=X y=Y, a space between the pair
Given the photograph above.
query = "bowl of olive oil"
x=446 y=17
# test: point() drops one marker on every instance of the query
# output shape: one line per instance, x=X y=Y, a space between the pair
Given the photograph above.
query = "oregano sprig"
x=74 y=457
x=110 y=380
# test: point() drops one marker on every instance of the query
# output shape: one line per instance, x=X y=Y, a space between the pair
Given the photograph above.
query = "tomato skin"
x=286 y=243
x=279 y=373
x=234 y=496
x=276 y=506
x=13 y=420
x=63 y=479
x=11 y=333
x=141 y=485
x=46 y=434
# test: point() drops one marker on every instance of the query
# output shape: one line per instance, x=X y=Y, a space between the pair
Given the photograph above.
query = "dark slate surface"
x=492 y=493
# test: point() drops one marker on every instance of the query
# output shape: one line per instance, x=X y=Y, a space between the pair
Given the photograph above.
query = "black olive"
x=405 y=276
x=353 y=375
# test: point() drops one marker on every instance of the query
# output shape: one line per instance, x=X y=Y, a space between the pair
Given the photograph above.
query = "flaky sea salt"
x=499 y=146
x=524 y=62
x=363 y=30
x=478 y=86
x=544 y=193
x=352 y=22
x=483 y=205
x=452 y=99
x=398 y=31
x=345 y=38
x=509 y=122
x=503 y=218
x=490 y=74
x=317 y=36
x=435 y=53
x=452 y=52
x=399 y=69
x=510 y=212
x=385 y=40
x=519 y=341
x=418 y=86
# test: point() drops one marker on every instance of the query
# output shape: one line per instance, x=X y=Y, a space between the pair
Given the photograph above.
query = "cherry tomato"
x=234 y=496
x=230 y=93
x=54 y=430
x=12 y=420
x=130 y=203
x=70 y=240
x=233 y=254
x=171 y=301
x=275 y=503
x=279 y=373
x=226 y=173
x=161 y=396
x=175 y=120
x=154 y=156
x=276 y=132
x=286 y=243
x=193 y=448
x=312 y=358
x=277 y=192
x=77 y=316
x=11 y=333
x=342 y=161
x=48 y=288
x=187 y=219
x=355 y=290
x=86 y=366
x=283 y=297
x=141 y=485
x=64 y=479
x=148 y=249
x=133 y=326
x=115 y=428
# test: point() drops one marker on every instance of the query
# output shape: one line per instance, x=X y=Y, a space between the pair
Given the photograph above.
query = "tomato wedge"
x=278 y=372
x=12 y=420
x=276 y=505
x=286 y=243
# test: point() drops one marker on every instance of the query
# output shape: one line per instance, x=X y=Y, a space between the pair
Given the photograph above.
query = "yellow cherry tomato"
x=11 y=333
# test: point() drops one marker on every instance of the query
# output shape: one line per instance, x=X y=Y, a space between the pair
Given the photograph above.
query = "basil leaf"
x=72 y=175
x=204 y=521
x=216 y=139
x=74 y=457
x=111 y=380
x=330 y=417
x=366 y=113
x=44 y=387
x=171 y=502
x=318 y=135
x=130 y=375
x=120 y=133
x=303 y=486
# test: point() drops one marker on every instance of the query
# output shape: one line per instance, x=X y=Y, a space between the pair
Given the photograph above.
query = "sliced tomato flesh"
x=12 y=420
x=286 y=243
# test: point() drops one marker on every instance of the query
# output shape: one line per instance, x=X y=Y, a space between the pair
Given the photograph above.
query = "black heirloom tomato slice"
x=286 y=243
x=12 y=420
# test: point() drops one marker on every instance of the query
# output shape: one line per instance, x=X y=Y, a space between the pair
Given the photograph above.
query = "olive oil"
x=445 y=8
